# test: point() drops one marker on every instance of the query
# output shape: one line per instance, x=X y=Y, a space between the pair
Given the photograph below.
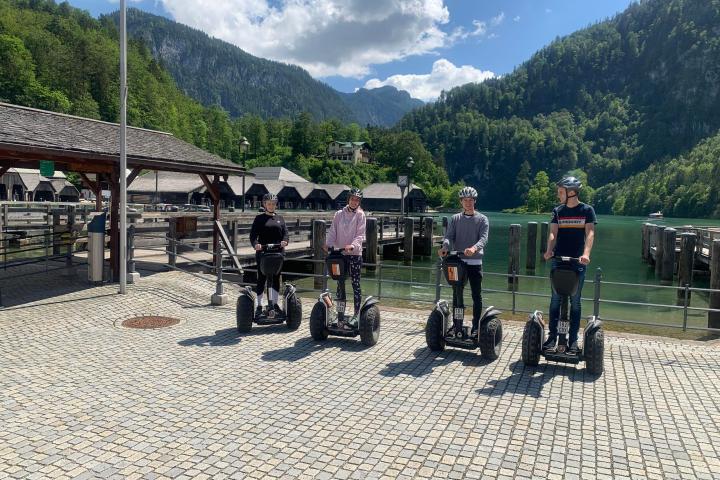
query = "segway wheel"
x=293 y=314
x=490 y=338
x=370 y=326
x=318 y=328
x=434 y=336
x=594 y=351
x=245 y=313
x=531 y=343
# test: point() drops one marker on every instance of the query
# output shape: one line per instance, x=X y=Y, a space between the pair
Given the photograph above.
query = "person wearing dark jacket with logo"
x=572 y=234
x=268 y=228
x=468 y=233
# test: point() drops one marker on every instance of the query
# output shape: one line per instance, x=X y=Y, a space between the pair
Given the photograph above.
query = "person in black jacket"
x=268 y=227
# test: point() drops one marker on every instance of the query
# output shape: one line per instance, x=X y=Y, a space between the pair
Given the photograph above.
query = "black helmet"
x=271 y=197
x=570 y=183
x=355 y=192
x=468 y=192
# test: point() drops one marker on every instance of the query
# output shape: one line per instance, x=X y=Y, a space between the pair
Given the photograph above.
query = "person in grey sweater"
x=468 y=233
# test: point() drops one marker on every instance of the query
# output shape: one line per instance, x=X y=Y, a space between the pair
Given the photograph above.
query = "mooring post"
x=531 y=246
x=429 y=233
x=318 y=241
x=514 y=255
x=644 y=242
x=371 y=241
x=659 y=249
x=408 y=239
x=685 y=265
x=667 y=270
x=543 y=239
x=714 y=301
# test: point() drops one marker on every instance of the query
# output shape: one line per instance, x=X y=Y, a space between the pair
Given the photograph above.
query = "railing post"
x=596 y=295
x=219 y=297
x=397 y=227
x=714 y=300
x=318 y=241
x=70 y=241
x=513 y=254
x=685 y=306
x=379 y=280
x=514 y=289
x=172 y=241
x=46 y=241
x=531 y=247
x=56 y=228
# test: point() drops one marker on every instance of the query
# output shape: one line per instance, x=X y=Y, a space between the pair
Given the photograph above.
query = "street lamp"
x=244 y=145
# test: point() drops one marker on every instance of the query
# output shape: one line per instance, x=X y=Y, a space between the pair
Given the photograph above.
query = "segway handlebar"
x=566 y=259
x=271 y=246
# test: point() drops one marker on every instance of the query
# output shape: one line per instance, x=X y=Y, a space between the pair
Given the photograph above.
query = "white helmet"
x=468 y=192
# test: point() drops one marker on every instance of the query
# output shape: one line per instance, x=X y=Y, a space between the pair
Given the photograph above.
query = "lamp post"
x=409 y=164
x=244 y=145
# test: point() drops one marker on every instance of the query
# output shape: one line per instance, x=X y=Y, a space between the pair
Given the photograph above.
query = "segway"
x=565 y=281
x=271 y=262
x=329 y=318
x=444 y=328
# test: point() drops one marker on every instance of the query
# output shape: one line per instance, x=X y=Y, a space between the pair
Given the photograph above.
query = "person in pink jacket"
x=347 y=233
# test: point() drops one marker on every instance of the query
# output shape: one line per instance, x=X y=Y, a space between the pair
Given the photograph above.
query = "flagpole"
x=123 y=153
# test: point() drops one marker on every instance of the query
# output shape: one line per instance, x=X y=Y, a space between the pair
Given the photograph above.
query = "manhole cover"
x=150 y=321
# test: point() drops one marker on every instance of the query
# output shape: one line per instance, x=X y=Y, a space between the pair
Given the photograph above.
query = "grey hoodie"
x=466 y=231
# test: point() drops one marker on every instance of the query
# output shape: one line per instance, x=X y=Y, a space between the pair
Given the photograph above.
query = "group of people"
x=571 y=234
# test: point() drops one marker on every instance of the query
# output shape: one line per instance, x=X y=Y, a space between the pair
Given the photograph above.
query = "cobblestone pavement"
x=85 y=398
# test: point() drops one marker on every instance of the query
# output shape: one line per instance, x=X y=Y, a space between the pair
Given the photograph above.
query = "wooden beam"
x=91 y=185
x=3 y=170
x=133 y=175
x=214 y=194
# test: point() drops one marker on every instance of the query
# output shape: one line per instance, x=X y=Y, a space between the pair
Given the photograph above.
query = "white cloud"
x=444 y=76
x=516 y=19
x=548 y=10
x=327 y=37
x=497 y=20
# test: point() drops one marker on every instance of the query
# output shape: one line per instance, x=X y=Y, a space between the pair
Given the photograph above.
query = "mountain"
x=218 y=73
x=613 y=99
x=383 y=106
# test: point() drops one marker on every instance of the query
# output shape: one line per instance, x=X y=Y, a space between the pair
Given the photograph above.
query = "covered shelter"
x=26 y=184
x=385 y=197
x=89 y=146
x=337 y=192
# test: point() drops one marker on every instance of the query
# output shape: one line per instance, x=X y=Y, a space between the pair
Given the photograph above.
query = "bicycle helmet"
x=355 y=192
x=468 y=192
x=270 y=197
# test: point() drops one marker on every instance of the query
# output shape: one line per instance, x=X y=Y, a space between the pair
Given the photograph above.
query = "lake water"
x=616 y=252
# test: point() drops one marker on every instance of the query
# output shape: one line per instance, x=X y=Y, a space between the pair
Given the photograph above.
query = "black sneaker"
x=258 y=311
x=474 y=330
x=550 y=343
x=574 y=348
x=278 y=310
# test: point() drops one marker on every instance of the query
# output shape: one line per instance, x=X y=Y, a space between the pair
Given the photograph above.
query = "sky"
x=421 y=46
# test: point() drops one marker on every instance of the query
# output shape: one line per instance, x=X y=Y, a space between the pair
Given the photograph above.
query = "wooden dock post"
x=445 y=225
x=714 y=301
x=645 y=245
x=318 y=241
x=685 y=264
x=667 y=268
x=531 y=246
x=543 y=239
x=381 y=227
x=428 y=236
x=514 y=256
x=408 y=239
x=371 y=239
x=659 y=250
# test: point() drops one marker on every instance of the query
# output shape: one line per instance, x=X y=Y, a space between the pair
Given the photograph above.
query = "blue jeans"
x=574 y=306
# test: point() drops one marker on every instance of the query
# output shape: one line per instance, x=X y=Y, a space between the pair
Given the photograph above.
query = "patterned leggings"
x=355 y=262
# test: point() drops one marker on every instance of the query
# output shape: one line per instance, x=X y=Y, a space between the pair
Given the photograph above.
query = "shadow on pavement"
x=222 y=338
x=426 y=361
x=525 y=380
x=307 y=346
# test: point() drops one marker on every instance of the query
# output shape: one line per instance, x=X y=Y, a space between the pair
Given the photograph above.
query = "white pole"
x=123 y=153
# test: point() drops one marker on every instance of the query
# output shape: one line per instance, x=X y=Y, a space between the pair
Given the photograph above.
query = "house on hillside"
x=385 y=197
x=26 y=184
x=350 y=152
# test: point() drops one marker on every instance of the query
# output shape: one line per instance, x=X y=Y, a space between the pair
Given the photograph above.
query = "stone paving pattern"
x=85 y=398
